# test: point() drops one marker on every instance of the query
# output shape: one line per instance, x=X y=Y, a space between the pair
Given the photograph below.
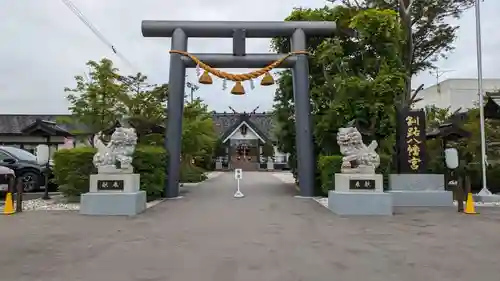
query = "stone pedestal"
x=419 y=190
x=359 y=194
x=113 y=195
x=493 y=198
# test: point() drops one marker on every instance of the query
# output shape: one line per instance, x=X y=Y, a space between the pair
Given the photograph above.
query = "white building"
x=456 y=93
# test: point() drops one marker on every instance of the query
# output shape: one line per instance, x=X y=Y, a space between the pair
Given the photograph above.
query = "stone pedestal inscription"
x=116 y=185
x=359 y=183
x=363 y=184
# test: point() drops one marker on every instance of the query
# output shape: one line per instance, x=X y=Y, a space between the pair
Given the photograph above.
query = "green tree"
x=145 y=105
x=104 y=96
x=435 y=116
x=472 y=146
x=96 y=100
x=351 y=78
x=198 y=140
x=428 y=33
x=198 y=134
x=469 y=148
x=144 y=100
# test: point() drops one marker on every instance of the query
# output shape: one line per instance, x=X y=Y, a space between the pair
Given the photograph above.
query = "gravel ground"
x=267 y=235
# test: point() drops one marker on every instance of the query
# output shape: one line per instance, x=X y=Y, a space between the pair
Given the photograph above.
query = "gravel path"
x=268 y=235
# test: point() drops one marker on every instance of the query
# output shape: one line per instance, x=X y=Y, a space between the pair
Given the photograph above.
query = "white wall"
x=248 y=136
x=455 y=93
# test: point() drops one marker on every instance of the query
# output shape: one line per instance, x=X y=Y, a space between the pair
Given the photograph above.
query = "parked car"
x=5 y=174
x=25 y=167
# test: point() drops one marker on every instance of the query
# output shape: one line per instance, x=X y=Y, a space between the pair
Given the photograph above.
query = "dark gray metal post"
x=303 y=122
x=175 y=107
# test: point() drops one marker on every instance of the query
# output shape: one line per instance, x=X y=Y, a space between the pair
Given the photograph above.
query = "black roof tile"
x=225 y=121
x=14 y=123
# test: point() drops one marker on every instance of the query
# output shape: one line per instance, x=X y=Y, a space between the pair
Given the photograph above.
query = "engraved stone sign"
x=110 y=185
x=356 y=184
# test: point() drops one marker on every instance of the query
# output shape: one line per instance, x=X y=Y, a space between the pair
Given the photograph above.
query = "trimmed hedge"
x=191 y=173
x=328 y=166
x=492 y=177
x=72 y=168
x=149 y=162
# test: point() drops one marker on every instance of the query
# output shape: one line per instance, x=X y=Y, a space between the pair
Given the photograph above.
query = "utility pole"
x=193 y=89
x=484 y=190
x=438 y=73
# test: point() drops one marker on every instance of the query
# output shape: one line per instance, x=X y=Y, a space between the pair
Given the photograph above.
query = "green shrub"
x=492 y=177
x=72 y=169
x=191 y=173
x=329 y=165
x=437 y=166
x=150 y=162
x=206 y=162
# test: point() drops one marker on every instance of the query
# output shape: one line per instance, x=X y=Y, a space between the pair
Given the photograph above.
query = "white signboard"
x=238 y=174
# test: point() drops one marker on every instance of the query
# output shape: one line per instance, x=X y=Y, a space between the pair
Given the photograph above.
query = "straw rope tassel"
x=238 y=77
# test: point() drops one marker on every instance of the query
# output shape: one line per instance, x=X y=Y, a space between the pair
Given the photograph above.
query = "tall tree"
x=428 y=34
x=144 y=103
x=95 y=101
x=198 y=134
x=103 y=97
x=143 y=99
x=350 y=78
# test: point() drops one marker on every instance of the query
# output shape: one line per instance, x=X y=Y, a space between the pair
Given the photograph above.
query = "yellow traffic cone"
x=470 y=207
x=8 y=208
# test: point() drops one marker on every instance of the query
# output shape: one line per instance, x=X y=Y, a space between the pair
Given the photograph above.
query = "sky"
x=43 y=45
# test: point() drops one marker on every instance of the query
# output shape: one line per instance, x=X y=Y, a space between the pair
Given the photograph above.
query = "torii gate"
x=298 y=31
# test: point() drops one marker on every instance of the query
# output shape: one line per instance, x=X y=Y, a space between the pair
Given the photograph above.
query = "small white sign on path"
x=238 y=175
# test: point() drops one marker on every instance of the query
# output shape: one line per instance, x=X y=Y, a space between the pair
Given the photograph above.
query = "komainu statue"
x=357 y=157
x=117 y=155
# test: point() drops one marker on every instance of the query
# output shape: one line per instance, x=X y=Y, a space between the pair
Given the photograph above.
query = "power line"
x=96 y=32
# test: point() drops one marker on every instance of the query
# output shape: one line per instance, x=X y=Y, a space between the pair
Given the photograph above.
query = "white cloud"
x=43 y=45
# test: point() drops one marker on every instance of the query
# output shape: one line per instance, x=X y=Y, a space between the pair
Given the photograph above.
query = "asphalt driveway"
x=268 y=235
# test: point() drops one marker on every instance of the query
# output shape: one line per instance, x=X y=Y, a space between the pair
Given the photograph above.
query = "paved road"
x=268 y=235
